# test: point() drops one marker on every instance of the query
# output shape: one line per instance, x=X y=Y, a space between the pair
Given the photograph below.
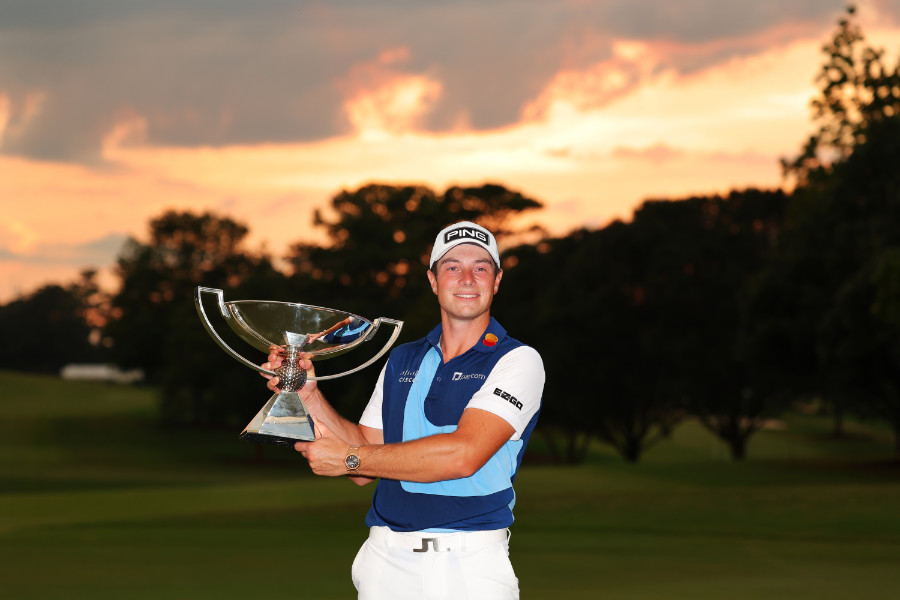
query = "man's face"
x=465 y=281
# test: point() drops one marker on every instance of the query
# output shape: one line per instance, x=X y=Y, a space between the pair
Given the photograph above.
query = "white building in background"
x=98 y=372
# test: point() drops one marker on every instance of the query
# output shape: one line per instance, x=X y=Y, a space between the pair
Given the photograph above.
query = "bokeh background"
x=698 y=207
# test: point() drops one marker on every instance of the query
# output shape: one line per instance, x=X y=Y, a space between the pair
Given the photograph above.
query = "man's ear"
x=432 y=280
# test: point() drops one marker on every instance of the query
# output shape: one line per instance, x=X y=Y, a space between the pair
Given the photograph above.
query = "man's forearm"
x=322 y=411
x=439 y=457
x=435 y=458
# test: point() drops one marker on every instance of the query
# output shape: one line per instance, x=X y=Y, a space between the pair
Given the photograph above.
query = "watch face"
x=352 y=461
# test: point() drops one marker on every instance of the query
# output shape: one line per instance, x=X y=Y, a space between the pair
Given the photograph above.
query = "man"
x=444 y=432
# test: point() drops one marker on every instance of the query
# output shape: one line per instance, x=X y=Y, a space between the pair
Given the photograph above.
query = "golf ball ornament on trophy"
x=293 y=329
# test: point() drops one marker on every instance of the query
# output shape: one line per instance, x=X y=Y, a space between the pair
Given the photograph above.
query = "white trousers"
x=435 y=566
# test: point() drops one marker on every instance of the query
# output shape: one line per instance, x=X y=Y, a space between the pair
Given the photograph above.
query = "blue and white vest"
x=422 y=396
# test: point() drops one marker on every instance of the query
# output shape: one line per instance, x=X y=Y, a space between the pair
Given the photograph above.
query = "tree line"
x=726 y=308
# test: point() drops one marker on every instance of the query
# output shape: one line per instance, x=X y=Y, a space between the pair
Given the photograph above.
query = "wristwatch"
x=352 y=461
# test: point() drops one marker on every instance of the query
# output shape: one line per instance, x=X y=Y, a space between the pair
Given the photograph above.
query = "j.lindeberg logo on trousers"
x=508 y=397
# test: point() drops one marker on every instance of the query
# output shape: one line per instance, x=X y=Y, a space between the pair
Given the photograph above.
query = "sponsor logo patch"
x=490 y=340
x=457 y=376
x=465 y=233
x=508 y=397
x=407 y=376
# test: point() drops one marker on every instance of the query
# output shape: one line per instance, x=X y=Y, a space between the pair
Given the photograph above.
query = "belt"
x=424 y=541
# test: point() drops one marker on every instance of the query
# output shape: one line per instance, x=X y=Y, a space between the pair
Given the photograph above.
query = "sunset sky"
x=112 y=111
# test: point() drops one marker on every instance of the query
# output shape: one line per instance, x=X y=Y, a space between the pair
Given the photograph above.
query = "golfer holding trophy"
x=444 y=434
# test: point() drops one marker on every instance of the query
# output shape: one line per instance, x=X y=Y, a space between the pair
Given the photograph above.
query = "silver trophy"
x=293 y=329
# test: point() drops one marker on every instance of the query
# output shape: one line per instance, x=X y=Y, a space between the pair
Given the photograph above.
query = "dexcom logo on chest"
x=457 y=376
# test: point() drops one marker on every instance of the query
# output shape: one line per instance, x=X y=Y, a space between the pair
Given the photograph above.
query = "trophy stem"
x=284 y=418
x=282 y=421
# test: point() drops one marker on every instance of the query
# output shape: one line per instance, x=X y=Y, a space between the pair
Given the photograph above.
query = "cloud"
x=97 y=252
x=888 y=10
x=656 y=154
x=25 y=269
x=381 y=99
x=218 y=73
x=701 y=21
x=16 y=115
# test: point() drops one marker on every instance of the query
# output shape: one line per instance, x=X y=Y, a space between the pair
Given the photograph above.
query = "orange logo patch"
x=490 y=339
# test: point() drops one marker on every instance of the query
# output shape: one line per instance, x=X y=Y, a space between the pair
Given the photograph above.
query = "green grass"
x=98 y=501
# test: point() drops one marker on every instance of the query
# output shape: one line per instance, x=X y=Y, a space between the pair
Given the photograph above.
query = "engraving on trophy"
x=294 y=330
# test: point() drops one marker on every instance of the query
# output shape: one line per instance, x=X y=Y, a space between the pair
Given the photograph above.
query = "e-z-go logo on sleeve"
x=508 y=397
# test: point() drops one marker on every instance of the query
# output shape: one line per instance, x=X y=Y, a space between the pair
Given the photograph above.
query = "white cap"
x=464 y=232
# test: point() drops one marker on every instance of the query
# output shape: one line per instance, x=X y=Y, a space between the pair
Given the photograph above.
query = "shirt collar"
x=493 y=335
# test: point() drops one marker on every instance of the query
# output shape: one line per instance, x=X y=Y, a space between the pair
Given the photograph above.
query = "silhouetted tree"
x=50 y=328
x=637 y=322
x=549 y=309
x=153 y=324
x=860 y=350
x=844 y=217
x=381 y=236
x=863 y=204
x=857 y=90
x=724 y=243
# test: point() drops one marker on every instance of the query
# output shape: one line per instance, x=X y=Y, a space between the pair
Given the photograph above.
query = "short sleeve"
x=513 y=389
x=371 y=416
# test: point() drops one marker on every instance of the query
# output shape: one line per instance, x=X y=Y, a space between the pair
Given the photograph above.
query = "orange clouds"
x=596 y=85
x=381 y=99
x=16 y=118
x=4 y=116
x=130 y=129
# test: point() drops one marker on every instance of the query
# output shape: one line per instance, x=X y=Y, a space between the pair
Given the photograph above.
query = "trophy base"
x=282 y=421
x=260 y=438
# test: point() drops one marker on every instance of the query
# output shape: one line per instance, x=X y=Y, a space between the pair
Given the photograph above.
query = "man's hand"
x=273 y=364
x=275 y=359
x=325 y=455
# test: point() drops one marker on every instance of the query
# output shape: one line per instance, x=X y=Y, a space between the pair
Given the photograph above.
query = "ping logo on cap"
x=461 y=233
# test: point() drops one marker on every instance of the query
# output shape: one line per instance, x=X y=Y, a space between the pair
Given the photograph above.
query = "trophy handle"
x=220 y=296
x=398 y=325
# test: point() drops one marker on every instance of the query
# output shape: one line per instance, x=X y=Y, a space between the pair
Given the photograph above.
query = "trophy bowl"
x=291 y=329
